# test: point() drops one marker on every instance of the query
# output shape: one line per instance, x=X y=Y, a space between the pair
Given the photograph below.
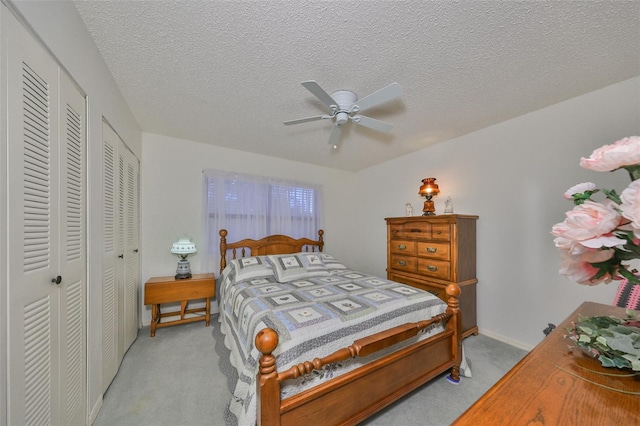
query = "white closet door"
x=73 y=252
x=47 y=239
x=120 y=247
x=131 y=255
x=121 y=262
x=33 y=234
x=110 y=193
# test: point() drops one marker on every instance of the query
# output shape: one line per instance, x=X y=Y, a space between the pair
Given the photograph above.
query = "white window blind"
x=250 y=206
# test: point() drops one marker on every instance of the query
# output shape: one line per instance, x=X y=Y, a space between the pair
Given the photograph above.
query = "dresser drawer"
x=434 y=268
x=407 y=248
x=403 y=263
x=441 y=232
x=434 y=250
x=420 y=230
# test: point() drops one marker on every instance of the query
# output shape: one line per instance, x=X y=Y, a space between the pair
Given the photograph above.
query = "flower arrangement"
x=598 y=239
x=614 y=341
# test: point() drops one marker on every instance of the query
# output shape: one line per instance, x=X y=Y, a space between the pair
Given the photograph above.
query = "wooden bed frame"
x=350 y=398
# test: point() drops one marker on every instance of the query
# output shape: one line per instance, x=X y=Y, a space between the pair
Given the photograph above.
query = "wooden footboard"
x=354 y=396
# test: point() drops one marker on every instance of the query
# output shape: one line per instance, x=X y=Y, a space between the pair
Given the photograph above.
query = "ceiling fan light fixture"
x=342 y=106
x=341 y=118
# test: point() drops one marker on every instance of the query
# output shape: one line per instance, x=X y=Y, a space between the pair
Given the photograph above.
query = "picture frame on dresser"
x=431 y=252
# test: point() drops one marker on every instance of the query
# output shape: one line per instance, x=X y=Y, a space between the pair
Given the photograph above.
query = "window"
x=256 y=206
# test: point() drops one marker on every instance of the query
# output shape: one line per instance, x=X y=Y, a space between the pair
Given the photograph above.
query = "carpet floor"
x=174 y=379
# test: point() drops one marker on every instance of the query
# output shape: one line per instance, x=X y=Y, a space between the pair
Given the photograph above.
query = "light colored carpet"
x=174 y=379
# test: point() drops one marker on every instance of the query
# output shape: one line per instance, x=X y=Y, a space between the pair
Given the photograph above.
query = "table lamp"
x=429 y=189
x=183 y=248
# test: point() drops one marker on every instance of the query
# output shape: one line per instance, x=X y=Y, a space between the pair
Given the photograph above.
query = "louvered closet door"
x=110 y=253
x=121 y=209
x=33 y=234
x=131 y=257
x=73 y=253
x=121 y=264
x=47 y=355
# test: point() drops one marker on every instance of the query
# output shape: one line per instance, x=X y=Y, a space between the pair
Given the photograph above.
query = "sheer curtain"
x=250 y=206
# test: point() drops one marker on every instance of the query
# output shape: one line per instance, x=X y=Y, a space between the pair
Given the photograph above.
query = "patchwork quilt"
x=315 y=313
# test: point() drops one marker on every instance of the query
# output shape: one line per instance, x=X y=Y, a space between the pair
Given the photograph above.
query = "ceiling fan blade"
x=383 y=95
x=335 y=136
x=306 y=120
x=372 y=123
x=319 y=92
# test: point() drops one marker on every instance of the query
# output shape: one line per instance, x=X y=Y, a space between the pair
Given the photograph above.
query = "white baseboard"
x=95 y=410
x=518 y=344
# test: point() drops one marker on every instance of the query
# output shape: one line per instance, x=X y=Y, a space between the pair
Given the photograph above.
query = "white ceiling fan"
x=344 y=106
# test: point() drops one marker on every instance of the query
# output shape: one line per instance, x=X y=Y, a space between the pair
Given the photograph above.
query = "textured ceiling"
x=228 y=73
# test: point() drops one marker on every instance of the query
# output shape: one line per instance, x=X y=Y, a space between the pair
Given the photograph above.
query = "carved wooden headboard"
x=273 y=244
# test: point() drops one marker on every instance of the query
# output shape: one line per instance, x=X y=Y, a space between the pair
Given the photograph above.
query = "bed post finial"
x=320 y=239
x=223 y=249
x=268 y=386
x=453 y=292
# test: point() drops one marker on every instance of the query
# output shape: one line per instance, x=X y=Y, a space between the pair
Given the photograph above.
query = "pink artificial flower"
x=579 y=189
x=596 y=255
x=625 y=152
x=630 y=206
x=580 y=271
x=590 y=224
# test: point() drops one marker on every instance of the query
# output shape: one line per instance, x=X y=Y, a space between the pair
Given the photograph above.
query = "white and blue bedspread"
x=314 y=317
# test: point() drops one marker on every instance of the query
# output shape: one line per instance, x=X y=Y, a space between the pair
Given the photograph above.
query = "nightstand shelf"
x=161 y=290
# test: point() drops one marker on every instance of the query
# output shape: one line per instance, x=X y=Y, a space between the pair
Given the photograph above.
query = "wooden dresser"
x=431 y=252
x=552 y=385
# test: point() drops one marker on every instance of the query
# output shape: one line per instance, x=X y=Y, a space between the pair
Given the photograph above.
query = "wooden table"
x=160 y=290
x=548 y=386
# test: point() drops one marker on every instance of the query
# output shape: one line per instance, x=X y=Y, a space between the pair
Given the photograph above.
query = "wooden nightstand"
x=160 y=290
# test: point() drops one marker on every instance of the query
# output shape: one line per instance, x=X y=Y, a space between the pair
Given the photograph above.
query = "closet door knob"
x=56 y=280
x=121 y=256
x=135 y=250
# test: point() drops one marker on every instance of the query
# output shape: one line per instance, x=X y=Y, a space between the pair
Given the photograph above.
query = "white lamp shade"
x=184 y=246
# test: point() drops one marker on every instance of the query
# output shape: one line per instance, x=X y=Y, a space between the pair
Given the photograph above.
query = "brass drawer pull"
x=432 y=268
x=438 y=232
x=402 y=263
x=402 y=247
x=431 y=249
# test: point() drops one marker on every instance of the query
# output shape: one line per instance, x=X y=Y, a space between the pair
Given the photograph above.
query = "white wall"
x=58 y=24
x=513 y=176
x=171 y=198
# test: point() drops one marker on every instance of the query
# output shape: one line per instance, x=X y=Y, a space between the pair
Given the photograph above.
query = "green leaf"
x=635 y=362
x=584 y=338
x=623 y=343
x=612 y=195
x=621 y=362
x=606 y=362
